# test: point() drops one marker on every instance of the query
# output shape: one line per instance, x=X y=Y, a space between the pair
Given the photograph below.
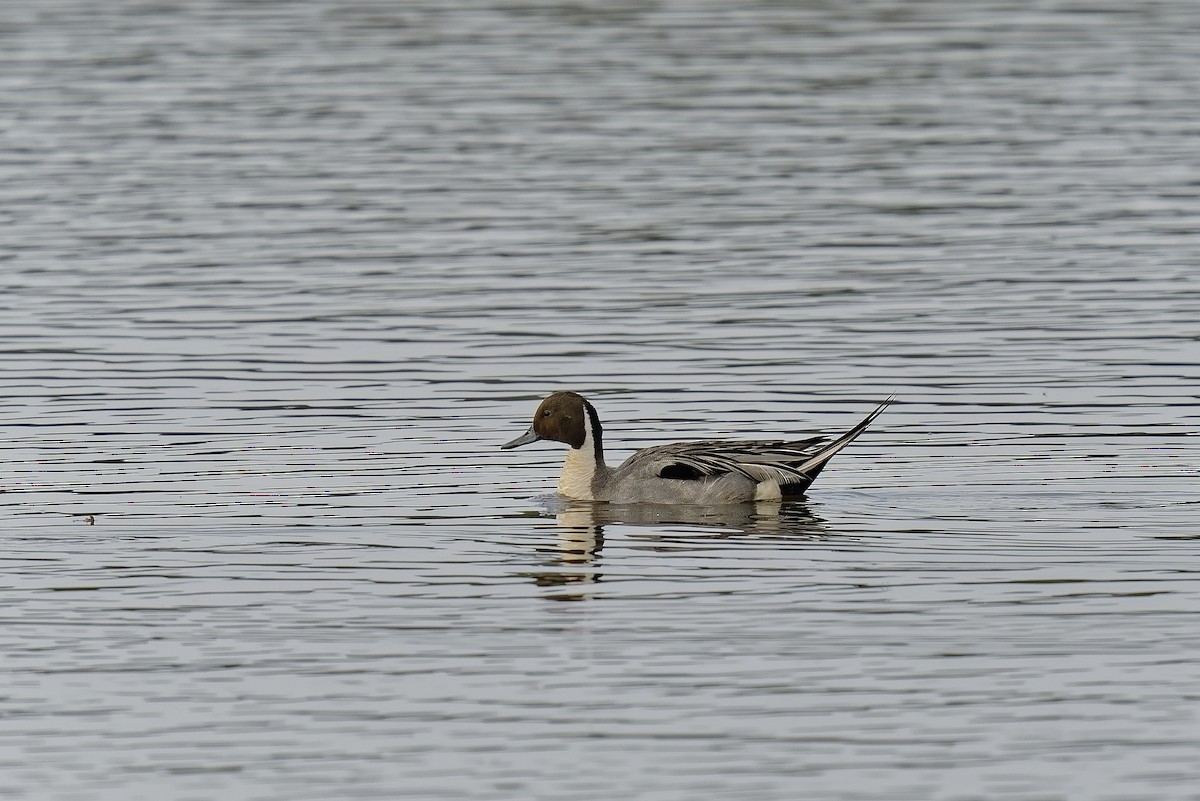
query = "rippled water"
x=279 y=277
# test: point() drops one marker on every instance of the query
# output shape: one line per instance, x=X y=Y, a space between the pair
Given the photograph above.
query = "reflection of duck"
x=704 y=473
x=739 y=519
x=576 y=553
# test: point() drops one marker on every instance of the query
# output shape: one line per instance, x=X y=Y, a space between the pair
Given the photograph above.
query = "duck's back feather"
x=790 y=465
x=757 y=460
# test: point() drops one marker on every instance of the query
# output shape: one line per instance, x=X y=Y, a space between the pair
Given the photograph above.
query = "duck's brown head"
x=563 y=417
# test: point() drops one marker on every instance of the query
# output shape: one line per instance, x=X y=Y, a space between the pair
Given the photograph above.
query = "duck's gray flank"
x=705 y=472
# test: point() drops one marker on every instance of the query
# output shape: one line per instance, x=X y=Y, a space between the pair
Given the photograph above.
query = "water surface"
x=279 y=278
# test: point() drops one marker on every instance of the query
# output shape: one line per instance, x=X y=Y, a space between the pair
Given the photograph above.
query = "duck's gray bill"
x=526 y=438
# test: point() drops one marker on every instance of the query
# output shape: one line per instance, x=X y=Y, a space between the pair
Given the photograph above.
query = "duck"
x=705 y=472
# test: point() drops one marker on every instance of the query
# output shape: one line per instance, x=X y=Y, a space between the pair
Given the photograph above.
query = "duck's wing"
x=757 y=460
x=792 y=464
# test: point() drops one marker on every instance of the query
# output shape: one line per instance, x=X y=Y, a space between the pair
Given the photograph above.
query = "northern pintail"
x=706 y=472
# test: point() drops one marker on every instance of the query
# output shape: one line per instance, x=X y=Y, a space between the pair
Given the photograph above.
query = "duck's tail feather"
x=816 y=463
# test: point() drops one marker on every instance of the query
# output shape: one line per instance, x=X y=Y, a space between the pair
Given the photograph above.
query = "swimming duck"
x=706 y=472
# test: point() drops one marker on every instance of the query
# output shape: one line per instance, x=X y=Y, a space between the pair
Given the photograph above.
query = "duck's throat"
x=578 y=474
x=581 y=469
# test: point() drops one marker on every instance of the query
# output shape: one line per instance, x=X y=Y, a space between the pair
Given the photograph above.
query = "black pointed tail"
x=813 y=467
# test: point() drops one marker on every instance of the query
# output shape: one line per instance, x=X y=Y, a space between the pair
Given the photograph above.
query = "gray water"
x=278 y=277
